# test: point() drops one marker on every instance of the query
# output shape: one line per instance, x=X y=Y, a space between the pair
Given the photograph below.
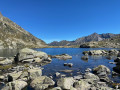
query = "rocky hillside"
x=13 y=36
x=92 y=37
x=113 y=42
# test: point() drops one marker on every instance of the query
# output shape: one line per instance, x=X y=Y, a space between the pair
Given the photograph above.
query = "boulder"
x=82 y=85
x=65 y=83
x=91 y=76
x=102 y=72
x=63 y=56
x=34 y=73
x=101 y=69
x=78 y=77
x=57 y=74
x=41 y=83
x=14 y=76
x=97 y=52
x=5 y=61
x=68 y=64
x=30 y=55
x=85 y=57
x=113 y=52
x=15 y=85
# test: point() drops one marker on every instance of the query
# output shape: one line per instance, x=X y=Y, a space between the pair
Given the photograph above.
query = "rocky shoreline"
x=28 y=73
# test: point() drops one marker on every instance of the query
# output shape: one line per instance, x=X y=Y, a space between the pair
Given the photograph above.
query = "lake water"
x=79 y=65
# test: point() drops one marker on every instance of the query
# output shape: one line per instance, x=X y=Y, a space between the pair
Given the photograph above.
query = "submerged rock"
x=63 y=56
x=41 y=83
x=85 y=57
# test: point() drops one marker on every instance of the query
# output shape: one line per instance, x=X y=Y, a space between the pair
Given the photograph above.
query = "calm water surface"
x=78 y=64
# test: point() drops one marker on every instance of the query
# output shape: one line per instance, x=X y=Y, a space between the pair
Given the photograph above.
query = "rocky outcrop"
x=112 y=42
x=90 y=38
x=13 y=36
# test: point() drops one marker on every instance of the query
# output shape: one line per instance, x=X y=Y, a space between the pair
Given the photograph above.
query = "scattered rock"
x=97 y=52
x=113 y=52
x=88 y=70
x=57 y=74
x=63 y=56
x=65 y=83
x=101 y=69
x=15 y=85
x=91 y=76
x=82 y=85
x=5 y=61
x=41 y=83
x=84 y=57
x=66 y=71
x=78 y=77
x=13 y=76
x=34 y=73
x=68 y=64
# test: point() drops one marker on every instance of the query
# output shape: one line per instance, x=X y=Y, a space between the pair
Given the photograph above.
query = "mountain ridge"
x=81 y=40
x=14 y=36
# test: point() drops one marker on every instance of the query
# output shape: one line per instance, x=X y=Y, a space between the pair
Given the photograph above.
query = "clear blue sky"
x=52 y=20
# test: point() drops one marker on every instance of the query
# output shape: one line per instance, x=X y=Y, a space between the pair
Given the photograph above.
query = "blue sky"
x=58 y=20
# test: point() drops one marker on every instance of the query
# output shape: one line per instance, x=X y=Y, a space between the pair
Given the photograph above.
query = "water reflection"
x=8 y=52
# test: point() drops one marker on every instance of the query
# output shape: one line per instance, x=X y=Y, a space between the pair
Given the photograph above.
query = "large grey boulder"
x=101 y=69
x=91 y=76
x=97 y=52
x=113 y=52
x=15 y=85
x=65 y=83
x=34 y=73
x=14 y=75
x=82 y=85
x=102 y=72
x=30 y=55
x=41 y=83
